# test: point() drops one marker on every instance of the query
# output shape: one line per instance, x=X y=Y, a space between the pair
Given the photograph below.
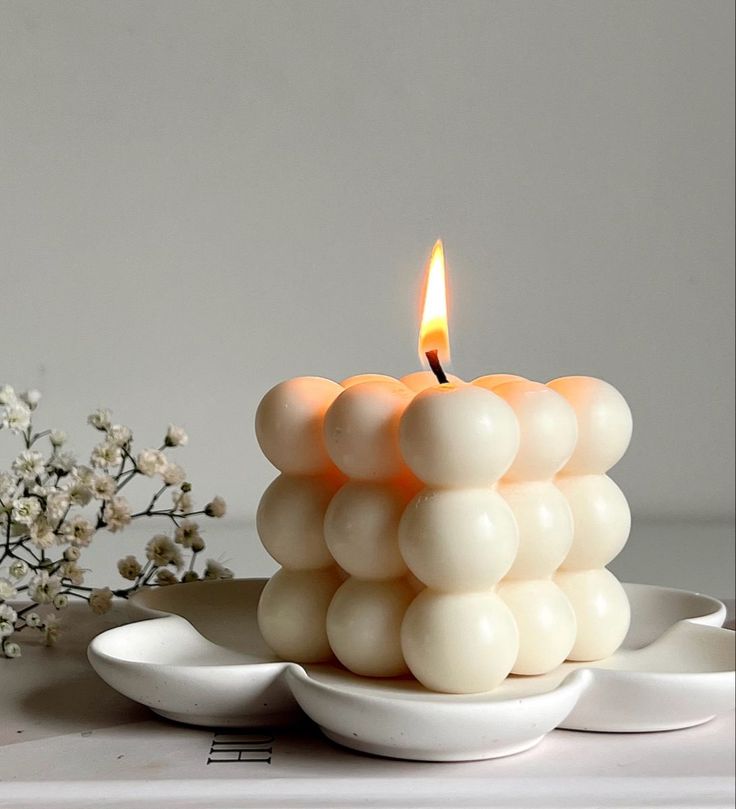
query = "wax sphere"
x=364 y=626
x=362 y=430
x=289 y=423
x=491 y=381
x=292 y=613
x=548 y=429
x=290 y=520
x=361 y=528
x=358 y=378
x=454 y=436
x=601 y=517
x=601 y=610
x=421 y=380
x=544 y=520
x=459 y=643
x=458 y=540
x=546 y=623
x=604 y=424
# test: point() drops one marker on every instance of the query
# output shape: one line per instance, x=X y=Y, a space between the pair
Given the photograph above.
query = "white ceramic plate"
x=205 y=663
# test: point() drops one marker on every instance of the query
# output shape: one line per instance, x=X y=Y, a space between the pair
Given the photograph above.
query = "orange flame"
x=433 y=332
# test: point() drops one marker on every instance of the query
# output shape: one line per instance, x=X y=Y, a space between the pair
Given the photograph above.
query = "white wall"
x=199 y=199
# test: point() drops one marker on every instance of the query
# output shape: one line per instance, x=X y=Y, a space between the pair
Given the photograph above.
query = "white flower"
x=44 y=588
x=8 y=617
x=57 y=438
x=100 y=419
x=17 y=417
x=116 y=514
x=42 y=535
x=25 y=510
x=61 y=601
x=73 y=573
x=7 y=395
x=78 y=531
x=176 y=437
x=120 y=434
x=164 y=576
x=187 y=534
x=72 y=554
x=11 y=650
x=129 y=568
x=100 y=601
x=78 y=492
x=8 y=486
x=105 y=455
x=31 y=398
x=7 y=589
x=173 y=475
x=151 y=462
x=62 y=462
x=57 y=504
x=18 y=569
x=215 y=508
x=33 y=619
x=29 y=465
x=216 y=570
x=103 y=487
x=162 y=551
x=50 y=630
x=182 y=501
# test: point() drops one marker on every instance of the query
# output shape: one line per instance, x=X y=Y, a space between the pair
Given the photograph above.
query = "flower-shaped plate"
x=203 y=661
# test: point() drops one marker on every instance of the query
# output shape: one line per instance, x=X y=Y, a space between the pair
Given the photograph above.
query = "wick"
x=434 y=364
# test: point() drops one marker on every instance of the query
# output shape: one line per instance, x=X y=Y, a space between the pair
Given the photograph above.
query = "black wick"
x=434 y=363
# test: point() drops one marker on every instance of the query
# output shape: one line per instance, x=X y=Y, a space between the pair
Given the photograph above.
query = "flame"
x=433 y=332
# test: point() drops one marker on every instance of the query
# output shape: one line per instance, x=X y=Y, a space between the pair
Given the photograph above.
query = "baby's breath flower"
x=25 y=510
x=151 y=462
x=129 y=568
x=189 y=576
x=11 y=650
x=61 y=601
x=216 y=570
x=182 y=501
x=100 y=419
x=18 y=568
x=175 y=437
x=173 y=475
x=7 y=395
x=33 y=619
x=71 y=572
x=31 y=398
x=187 y=533
x=100 y=600
x=8 y=486
x=162 y=551
x=197 y=544
x=78 y=531
x=50 y=630
x=103 y=487
x=164 y=576
x=105 y=455
x=117 y=513
x=62 y=462
x=44 y=588
x=42 y=535
x=215 y=508
x=57 y=438
x=72 y=554
x=57 y=504
x=29 y=465
x=8 y=617
x=120 y=434
x=16 y=417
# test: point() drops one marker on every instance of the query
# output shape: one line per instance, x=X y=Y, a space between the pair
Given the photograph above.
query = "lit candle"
x=457 y=531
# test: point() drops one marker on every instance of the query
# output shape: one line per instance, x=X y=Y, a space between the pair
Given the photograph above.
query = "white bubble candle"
x=456 y=532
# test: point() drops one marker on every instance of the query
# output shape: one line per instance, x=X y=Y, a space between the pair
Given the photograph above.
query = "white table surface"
x=68 y=740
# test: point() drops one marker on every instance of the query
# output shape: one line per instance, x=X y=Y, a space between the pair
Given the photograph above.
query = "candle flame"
x=433 y=332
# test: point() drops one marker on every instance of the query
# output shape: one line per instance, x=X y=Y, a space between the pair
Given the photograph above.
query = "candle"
x=454 y=531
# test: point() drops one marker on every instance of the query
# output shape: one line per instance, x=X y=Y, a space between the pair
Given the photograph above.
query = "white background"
x=199 y=199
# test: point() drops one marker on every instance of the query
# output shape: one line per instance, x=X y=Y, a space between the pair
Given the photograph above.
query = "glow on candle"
x=433 y=332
